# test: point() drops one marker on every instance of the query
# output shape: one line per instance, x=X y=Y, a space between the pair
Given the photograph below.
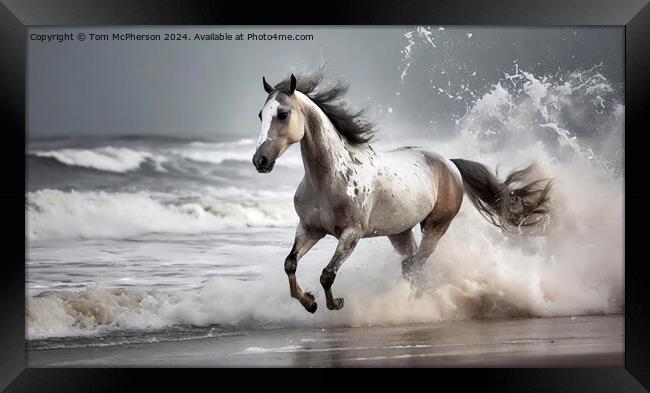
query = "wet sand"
x=582 y=341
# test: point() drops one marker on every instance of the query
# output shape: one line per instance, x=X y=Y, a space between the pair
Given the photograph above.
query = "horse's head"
x=283 y=124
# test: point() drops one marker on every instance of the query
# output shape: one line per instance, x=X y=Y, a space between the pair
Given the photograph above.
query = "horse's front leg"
x=304 y=241
x=347 y=241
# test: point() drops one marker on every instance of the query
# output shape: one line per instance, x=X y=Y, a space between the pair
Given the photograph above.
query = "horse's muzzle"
x=262 y=163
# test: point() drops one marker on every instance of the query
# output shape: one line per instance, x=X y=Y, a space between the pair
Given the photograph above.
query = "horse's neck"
x=323 y=149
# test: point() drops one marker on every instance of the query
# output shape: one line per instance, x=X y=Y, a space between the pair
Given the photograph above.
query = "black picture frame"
x=16 y=16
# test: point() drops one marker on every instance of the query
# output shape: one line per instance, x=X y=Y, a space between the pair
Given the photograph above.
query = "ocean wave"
x=108 y=158
x=122 y=160
x=59 y=214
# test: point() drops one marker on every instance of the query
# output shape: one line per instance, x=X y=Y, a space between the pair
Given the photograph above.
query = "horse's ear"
x=292 y=86
x=267 y=88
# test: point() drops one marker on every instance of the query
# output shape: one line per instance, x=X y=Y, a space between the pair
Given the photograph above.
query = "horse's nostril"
x=262 y=163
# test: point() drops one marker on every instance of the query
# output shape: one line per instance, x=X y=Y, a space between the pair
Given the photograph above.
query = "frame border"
x=16 y=16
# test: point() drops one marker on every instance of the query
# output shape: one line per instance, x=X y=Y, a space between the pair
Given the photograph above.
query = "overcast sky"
x=213 y=89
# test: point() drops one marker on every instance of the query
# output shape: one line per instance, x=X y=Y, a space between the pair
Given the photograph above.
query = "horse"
x=351 y=192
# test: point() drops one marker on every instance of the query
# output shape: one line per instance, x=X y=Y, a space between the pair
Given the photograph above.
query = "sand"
x=581 y=341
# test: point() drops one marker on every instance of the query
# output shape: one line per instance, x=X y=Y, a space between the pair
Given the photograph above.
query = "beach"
x=582 y=341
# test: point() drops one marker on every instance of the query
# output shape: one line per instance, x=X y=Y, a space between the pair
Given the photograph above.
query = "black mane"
x=351 y=125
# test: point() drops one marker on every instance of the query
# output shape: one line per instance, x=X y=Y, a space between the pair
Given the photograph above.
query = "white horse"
x=352 y=192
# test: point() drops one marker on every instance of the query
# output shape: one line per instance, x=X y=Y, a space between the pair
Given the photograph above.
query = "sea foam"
x=88 y=214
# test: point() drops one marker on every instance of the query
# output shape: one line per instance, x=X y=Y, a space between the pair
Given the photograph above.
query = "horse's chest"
x=330 y=212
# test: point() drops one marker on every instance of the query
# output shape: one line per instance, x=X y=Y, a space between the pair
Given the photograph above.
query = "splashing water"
x=571 y=123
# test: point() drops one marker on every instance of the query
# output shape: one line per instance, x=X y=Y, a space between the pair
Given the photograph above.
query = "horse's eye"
x=260 y=115
x=283 y=115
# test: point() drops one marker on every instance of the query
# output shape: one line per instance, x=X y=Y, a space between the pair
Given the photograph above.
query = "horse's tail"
x=502 y=203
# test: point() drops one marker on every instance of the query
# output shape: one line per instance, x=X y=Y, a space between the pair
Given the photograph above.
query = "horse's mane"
x=352 y=125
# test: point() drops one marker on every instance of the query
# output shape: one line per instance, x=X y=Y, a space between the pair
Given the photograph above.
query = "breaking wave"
x=111 y=159
x=123 y=159
x=63 y=215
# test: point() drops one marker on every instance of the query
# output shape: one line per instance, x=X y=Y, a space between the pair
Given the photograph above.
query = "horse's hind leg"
x=404 y=243
x=432 y=231
x=303 y=242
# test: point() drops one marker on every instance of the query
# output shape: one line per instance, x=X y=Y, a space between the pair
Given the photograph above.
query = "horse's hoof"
x=312 y=307
x=416 y=284
x=409 y=278
x=337 y=305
